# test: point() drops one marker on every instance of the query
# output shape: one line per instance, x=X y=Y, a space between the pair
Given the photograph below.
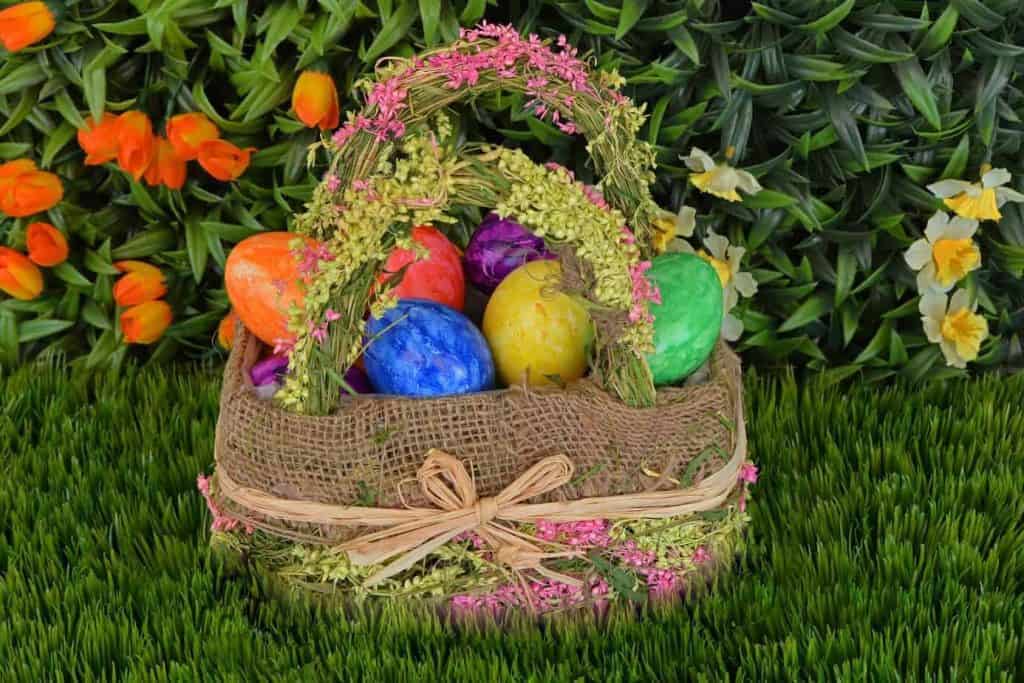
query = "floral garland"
x=627 y=560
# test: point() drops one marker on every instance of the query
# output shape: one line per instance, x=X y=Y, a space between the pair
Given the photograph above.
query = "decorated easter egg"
x=437 y=277
x=262 y=280
x=423 y=348
x=499 y=246
x=269 y=370
x=357 y=381
x=537 y=333
x=688 y=320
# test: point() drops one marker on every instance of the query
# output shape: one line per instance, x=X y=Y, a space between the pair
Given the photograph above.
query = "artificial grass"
x=887 y=542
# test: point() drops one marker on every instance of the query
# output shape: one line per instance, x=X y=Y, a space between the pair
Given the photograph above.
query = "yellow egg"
x=535 y=332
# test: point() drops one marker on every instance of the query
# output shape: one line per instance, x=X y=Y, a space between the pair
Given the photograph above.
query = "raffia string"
x=412 y=533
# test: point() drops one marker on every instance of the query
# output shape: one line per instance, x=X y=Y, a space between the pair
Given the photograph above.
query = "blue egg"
x=422 y=348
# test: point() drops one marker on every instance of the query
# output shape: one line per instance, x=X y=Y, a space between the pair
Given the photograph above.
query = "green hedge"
x=844 y=110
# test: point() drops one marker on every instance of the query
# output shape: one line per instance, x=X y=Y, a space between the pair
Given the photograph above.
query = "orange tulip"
x=167 y=167
x=25 y=190
x=99 y=141
x=187 y=131
x=12 y=169
x=25 y=24
x=226 y=330
x=19 y=277
x=135 y=133
x=223 y=160
x=315 y=100
x=47 y=245
x=141 y=282
x=145 y=323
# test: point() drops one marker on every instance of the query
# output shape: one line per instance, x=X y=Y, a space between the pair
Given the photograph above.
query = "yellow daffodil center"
x=664 y=232
x=719 y=181
x=954 y=259
x=721 y=267
x=965 y=330
x=980 y=208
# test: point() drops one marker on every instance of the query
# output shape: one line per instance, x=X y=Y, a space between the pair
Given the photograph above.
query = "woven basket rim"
x=246 y=348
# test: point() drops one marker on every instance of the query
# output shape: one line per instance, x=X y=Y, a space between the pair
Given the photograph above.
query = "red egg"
x=437 y=277
x=262 y=280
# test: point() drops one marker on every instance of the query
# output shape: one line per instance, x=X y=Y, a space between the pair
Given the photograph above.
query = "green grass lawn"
x=887 y=542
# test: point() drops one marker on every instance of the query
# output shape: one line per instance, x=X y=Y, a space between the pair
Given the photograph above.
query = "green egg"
x=688 y=321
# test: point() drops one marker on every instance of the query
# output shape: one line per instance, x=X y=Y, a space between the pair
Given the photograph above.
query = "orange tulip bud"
x=187 y=131
x=223 y=160
x=12 y=169
x=315 y=100
x=145 y=323
x=135 y=134
x=25 y=24
x=24 y=190
x=19 y=277
x=47 y=245
x=167 y=167
x=226 y=330
x=99 y=141
x=141 y=282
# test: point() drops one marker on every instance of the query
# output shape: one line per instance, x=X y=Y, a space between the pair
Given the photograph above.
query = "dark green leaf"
x=632 y=11
x=917 y=89
x=31 y=330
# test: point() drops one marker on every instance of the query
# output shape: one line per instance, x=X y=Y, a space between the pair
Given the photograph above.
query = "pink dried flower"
x=318 y=332
x=748 y=473
x=221 y=522
x=472 y=537
x=661 y=582
x=643 y=291
x=283 y=346
x=310 y=258
x=588 y=533
x=629 y=553
x=701 y=555
x=332 y=182
x=598 y=200
x=331 y=315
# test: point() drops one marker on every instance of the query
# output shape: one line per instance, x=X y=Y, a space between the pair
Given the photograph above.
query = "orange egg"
x=263 y=281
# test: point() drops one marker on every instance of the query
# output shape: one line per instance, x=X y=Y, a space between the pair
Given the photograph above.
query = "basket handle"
x=562 y=88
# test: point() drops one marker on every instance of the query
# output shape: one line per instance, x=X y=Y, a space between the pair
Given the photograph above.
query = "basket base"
x=631 y=561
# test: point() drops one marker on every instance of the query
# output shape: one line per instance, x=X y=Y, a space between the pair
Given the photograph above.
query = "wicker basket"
x=558 y=496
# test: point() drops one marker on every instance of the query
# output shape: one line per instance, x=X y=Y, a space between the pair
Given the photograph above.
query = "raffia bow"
x=414 y=533
x=447 y=485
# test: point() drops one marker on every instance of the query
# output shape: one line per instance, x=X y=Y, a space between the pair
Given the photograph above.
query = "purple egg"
x=356 y=378
x=499 y=246
x=269 y=370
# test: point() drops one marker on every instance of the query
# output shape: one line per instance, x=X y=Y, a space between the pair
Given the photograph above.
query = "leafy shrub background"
x=845 y=110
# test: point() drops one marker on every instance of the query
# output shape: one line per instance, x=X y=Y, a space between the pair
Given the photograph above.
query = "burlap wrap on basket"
x=364 y=456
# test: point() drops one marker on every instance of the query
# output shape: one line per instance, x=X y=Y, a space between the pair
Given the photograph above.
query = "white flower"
x=668 y=226
x=978 y=201
x=725 y=259
x=721 y=180
x=953 y=325
x=946 y=254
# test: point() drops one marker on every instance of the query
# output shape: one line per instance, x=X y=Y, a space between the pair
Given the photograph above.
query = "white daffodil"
x=953 y=325
x=668 y=226
x=725 y=259
x=946 y=254
x=721 y=180
x=979 y=201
